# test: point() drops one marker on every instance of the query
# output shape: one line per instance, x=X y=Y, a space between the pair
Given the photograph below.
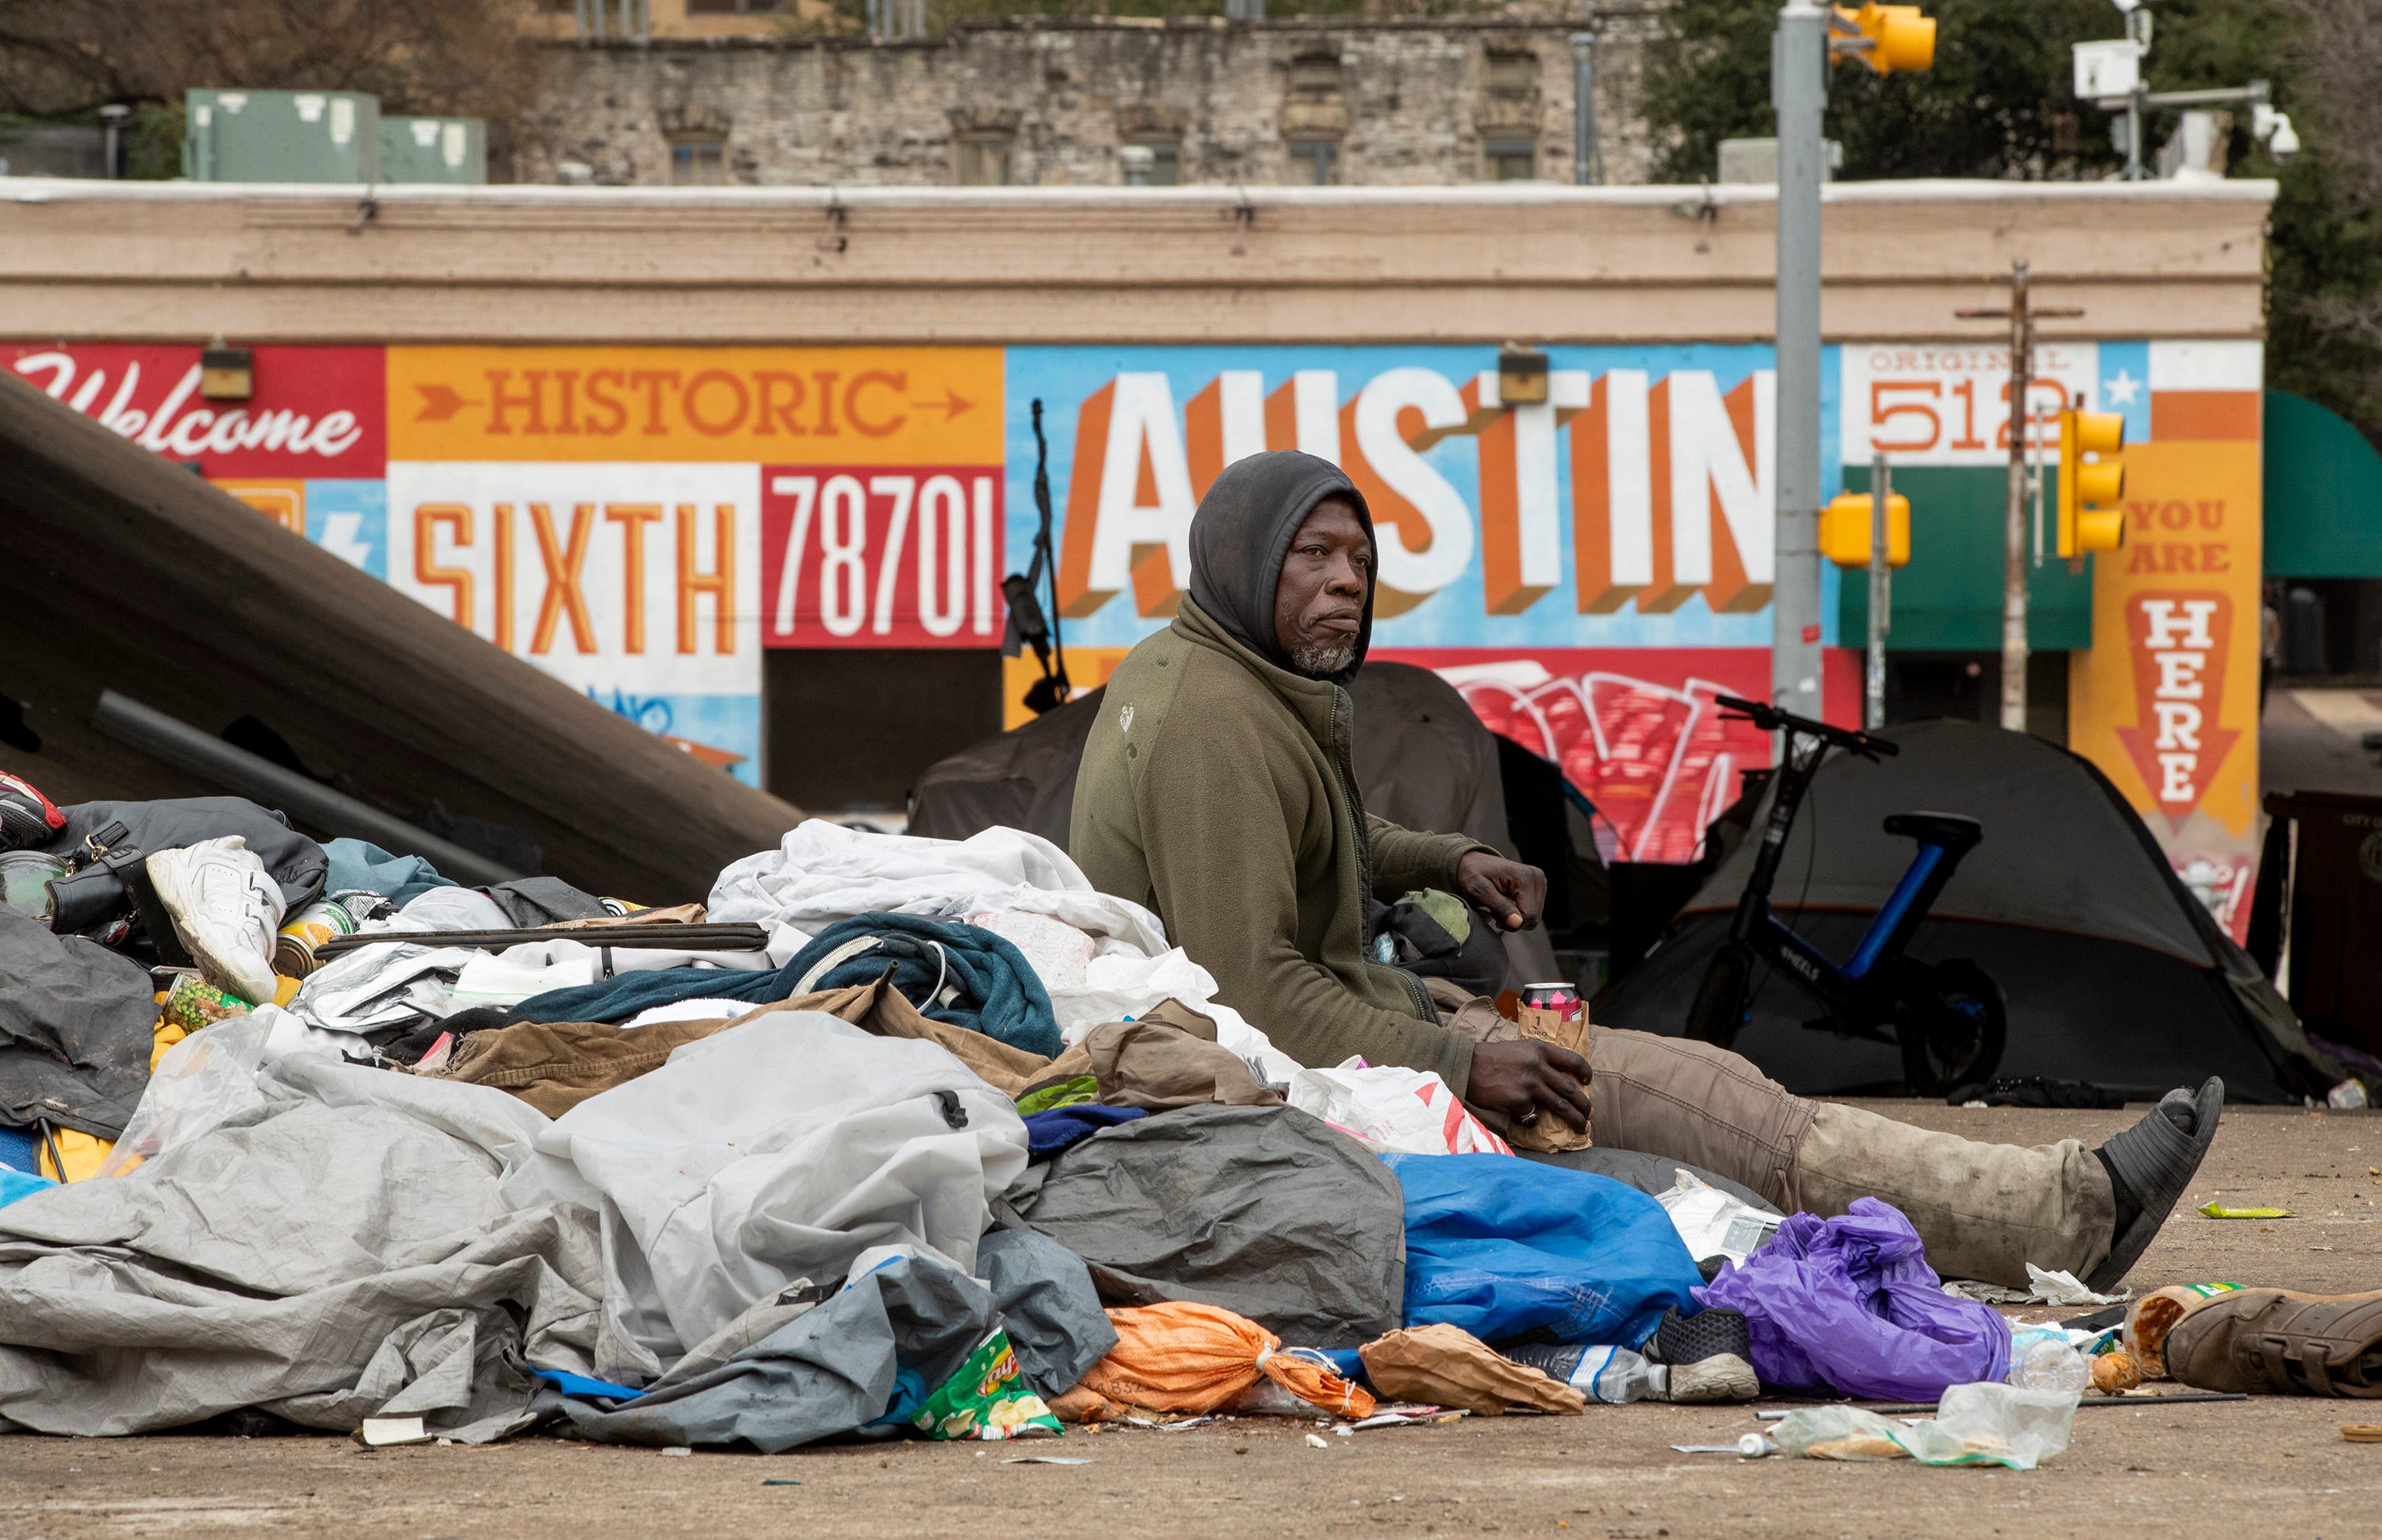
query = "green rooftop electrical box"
x=282 y=136
x=434 y=149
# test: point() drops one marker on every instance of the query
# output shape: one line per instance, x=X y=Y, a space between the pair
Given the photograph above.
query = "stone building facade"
x=1038 y=103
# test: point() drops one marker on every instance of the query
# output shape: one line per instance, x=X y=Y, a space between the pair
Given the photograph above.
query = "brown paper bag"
x=1446 y=1365
x=1551 y=1135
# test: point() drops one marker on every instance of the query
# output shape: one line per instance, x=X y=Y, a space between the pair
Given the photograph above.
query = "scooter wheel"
x=1953 y=1026
x=1719 y=1010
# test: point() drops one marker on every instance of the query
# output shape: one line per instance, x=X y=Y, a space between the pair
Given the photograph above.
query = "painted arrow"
x=952 y=404
x=439 y=402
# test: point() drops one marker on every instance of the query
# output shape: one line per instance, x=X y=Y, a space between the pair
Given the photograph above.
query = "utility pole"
x=1881 y=490
x=1799 y=91
x=2022 y=314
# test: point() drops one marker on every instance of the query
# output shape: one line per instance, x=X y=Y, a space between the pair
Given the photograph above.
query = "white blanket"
x=821 y=873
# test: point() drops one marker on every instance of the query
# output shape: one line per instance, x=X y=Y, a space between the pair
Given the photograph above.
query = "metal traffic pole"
x=1880 y=491
x=1799 y=91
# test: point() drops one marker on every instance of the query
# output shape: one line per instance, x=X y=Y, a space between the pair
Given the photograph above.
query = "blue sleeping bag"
x=1512 y=1250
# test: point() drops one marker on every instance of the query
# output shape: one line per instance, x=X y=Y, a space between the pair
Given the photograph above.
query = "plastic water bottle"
x=1601 y=1374
x=2042 y=1359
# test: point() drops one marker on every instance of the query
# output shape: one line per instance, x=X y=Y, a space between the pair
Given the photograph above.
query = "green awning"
x=1949 y=598
x=2323 y=493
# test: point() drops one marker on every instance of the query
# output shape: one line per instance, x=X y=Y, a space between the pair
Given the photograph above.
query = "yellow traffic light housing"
x=1844 y=529
x=2091 y=518
x=1886 y=38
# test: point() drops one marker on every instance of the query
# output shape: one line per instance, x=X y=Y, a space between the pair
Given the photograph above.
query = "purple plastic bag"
x=1849 y=1306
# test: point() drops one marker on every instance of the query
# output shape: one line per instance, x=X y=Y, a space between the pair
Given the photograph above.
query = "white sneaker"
x=226 y=907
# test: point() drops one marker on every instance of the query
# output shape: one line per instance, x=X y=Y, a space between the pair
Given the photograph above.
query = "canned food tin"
x=1561 y=999
x=293 y=949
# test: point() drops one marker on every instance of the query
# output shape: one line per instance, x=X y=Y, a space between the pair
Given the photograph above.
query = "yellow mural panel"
x=2166 y=700
x=841 y=405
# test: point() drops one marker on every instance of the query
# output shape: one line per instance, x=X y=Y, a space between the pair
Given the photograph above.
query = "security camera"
x=2274 y=130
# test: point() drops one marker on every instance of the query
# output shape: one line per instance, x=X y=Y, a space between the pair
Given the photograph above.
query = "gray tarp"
x=1264 y=1211
x=786 y=1374
x=367 y=1243
x=322 y=1264
x=75 y=1023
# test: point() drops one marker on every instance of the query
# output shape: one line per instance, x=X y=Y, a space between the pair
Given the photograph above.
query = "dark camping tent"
x=1422 y=758
x=2115 y=974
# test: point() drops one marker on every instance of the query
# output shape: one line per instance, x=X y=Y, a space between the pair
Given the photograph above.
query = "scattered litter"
x=781 y=1481
x=1751 y=1445
x=2065 y=1288
x=381 y=1433
x=1315 y=1443
x=1408 y=1416
x=2218 y=1211
x=2362 y=1433
x=1975 y=1425
x=1045 y=1459
x=2052 y=1288
x=680 y=1450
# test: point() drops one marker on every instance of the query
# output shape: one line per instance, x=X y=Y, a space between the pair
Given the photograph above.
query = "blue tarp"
x=1510 y=1249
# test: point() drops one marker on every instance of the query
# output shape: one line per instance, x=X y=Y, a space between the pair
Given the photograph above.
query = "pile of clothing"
x=885 y=1135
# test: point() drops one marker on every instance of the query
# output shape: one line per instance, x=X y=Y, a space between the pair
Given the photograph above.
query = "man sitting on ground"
x=1217 y=790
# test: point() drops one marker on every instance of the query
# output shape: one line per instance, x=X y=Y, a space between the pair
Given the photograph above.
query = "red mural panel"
x=317 y=412
x=1637 y=729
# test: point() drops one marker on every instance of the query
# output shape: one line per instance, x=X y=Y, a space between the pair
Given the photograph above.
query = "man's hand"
x=1517 y=1079
x=1507 y=891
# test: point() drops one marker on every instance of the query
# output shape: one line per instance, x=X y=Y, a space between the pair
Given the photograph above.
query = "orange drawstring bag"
x=1184 y=1357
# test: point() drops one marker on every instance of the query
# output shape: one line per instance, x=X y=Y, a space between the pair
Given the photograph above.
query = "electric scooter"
x=1949 y=1019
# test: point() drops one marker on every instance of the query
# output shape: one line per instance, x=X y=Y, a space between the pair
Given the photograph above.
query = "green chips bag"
x=987 y=1399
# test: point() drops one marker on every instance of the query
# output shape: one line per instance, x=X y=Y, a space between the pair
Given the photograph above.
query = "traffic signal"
x=1896 y=37
x=2091 y=518
x=1845 y=525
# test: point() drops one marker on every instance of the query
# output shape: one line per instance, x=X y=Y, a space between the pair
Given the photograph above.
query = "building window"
x=1165 y=162
x=1513 y=74
x=1511 y=160
x=982 y=162
x=697 y=161
x=1319 y=157
x=734 y=8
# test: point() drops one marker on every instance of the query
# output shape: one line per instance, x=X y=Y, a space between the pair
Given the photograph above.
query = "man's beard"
x=1317 y=661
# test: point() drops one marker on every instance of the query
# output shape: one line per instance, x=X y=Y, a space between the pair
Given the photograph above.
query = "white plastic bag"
x=204 y=1080
x=1975 y=1425
x=1410 y=1111
x=1712 y=1223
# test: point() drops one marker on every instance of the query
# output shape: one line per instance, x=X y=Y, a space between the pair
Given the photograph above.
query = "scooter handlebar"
x=1769 y=719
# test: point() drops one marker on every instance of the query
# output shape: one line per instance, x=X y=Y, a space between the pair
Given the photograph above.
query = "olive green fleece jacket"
x=1216 y=790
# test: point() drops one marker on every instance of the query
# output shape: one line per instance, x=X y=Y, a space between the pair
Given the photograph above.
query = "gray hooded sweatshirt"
x=1217 y=790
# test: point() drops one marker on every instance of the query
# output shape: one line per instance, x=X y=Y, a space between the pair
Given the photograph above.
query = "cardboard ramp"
x=125 y=573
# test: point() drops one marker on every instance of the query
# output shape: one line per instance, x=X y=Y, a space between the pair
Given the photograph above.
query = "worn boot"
x=2278 y=1342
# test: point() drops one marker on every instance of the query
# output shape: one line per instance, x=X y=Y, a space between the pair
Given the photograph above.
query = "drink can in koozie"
x=293 y=949
x=1561 y=999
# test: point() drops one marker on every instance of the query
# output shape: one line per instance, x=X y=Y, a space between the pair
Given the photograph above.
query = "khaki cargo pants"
x=1984 y=1210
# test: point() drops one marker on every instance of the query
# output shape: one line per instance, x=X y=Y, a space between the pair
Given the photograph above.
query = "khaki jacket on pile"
x=1217 y=790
